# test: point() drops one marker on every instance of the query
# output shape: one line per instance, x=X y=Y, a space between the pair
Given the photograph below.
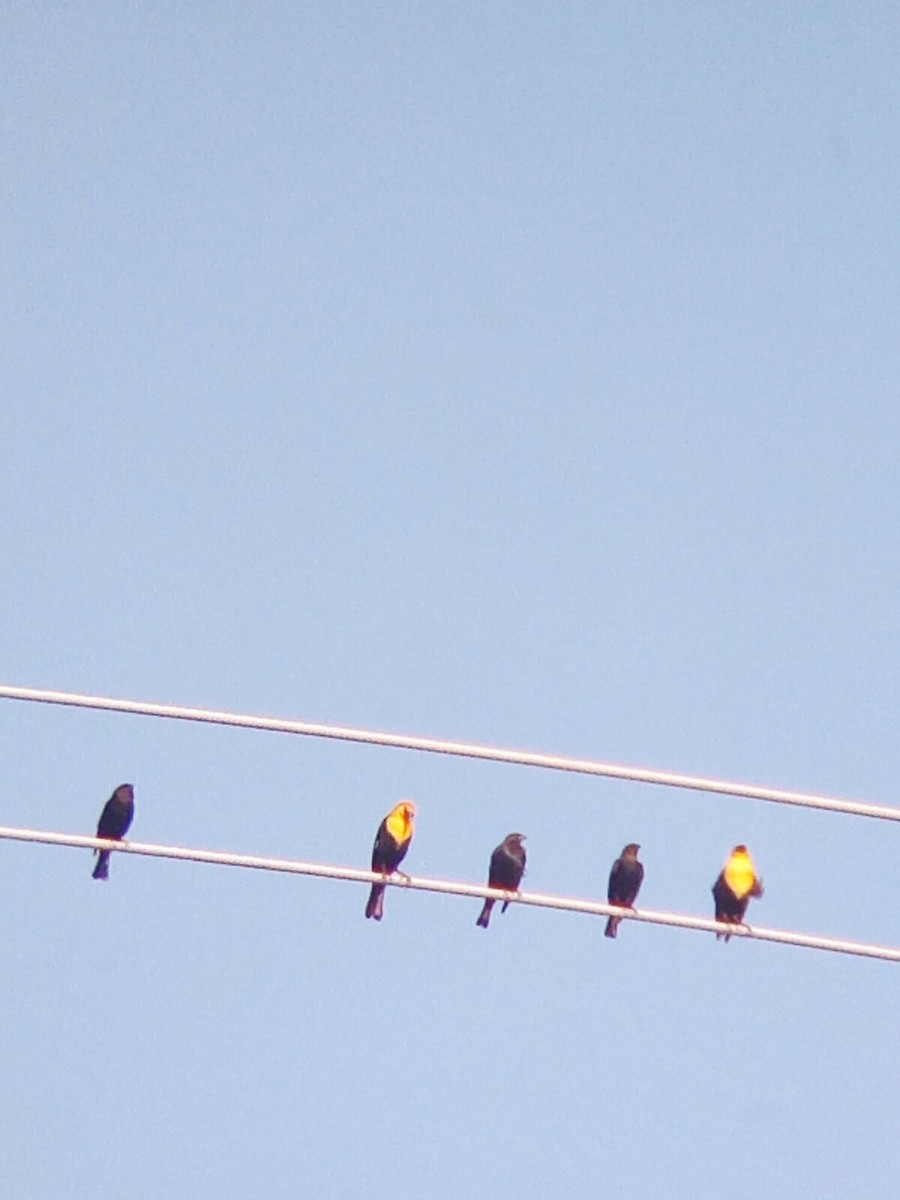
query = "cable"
x=452 y=888
x=525 y=758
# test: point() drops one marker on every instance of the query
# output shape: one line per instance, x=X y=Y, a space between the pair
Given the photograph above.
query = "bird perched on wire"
x=505 y=872
x=391 y=844
x=737 y=882
x=625 y=881
x=115 y=820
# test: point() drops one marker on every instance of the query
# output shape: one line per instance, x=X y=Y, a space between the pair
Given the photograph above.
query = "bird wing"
x=506 y=870
x=387 y=853
x=624 y=882
x=615 y=882
x=115 y=818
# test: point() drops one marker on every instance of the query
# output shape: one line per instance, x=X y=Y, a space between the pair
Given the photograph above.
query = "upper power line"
x=524 y=758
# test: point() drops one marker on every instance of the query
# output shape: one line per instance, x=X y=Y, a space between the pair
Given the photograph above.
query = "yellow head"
x=400 y=821
x=739 y=873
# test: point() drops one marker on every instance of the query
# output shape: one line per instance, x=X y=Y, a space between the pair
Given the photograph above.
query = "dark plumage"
x=391 y=844
x=114 y=823
x=505 y=872
x=625 y=881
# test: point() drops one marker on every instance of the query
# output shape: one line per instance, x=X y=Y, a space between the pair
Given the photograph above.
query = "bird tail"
x=612 y=926
x=101 y=871
x=485 y=917
x=375 y=906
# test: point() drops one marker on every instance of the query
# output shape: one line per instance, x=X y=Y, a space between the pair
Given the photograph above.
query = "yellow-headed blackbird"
x=391 y=844
x=737 y=882
x=505 y=872
x=625 y=881
x=114 y=822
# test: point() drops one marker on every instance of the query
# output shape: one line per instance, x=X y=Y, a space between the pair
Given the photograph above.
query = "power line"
x=452 y=888
x=524 y=758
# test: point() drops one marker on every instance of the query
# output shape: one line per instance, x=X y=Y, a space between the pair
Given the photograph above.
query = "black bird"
x=733 y=889
x=625 y=881
x=505 y=873
x=391 y=844
x=117 y=815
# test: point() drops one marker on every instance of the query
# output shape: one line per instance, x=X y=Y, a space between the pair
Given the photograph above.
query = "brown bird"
x=625 y=881
x=505 y=873
x=737 y=882
x=391 y=844
x=117 y=815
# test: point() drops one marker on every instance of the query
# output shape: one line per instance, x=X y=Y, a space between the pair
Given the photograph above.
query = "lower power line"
x=449 y=887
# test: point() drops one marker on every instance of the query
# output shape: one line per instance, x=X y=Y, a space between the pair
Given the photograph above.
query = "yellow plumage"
x=739 y=874
x=399 y=821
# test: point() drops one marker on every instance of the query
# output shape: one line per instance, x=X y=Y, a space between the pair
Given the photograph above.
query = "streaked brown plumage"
x=505 y=873
x=391 y=844
x=625 y=881
x=115 y=820
x=737 y=882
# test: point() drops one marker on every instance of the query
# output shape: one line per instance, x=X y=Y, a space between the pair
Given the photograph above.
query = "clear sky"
x=523 y=374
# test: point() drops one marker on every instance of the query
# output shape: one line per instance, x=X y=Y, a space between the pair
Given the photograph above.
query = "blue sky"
x=514 y=374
